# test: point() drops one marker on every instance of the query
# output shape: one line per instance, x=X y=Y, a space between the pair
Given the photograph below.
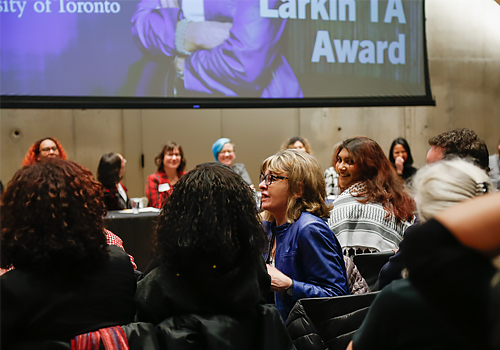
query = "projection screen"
x=212 y=53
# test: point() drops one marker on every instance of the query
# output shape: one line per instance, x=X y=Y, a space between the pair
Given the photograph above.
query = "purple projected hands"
x=206 y=35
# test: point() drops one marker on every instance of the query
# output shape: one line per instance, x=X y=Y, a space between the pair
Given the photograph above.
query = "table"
x=136 y=231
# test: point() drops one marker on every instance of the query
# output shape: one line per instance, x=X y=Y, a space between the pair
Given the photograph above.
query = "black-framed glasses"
x=270 y=178
x=48 y=149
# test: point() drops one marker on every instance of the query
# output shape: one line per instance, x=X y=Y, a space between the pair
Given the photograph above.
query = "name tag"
x=163 y=187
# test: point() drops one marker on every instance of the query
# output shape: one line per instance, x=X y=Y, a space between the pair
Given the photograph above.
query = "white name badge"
x=163 y=187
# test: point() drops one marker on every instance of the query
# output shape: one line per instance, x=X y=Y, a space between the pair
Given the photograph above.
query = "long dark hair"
x=401 y=141
x=52 y=220
x=108 y=171
x=383 y=184
x=210 y=219
x=170 y=146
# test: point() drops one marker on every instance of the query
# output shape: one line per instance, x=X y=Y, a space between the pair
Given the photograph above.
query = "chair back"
x=327 y=323
x=369 y=266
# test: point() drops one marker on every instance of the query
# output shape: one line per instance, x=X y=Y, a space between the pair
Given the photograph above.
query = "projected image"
x=300 y=51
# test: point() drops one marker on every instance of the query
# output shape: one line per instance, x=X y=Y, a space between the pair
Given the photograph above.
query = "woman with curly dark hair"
x=109 y=174
x=48 y=147
x=171 y=164
x=212 y=276
x=374 y=209
x=53 y=233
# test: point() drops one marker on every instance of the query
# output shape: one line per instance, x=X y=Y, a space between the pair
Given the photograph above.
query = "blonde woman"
x=304 y=257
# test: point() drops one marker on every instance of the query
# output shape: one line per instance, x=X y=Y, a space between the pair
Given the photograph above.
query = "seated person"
x=399 y=307
x=494 y=163
x=401 y=158
x=304 y=257
x=437 y=187
x=297 y=142
x=48 y=147
x=373 y=210
x=171 y=164
x=53 y=233
x=223 y=150
x=332 y=178
x=109 y=174
x=212 y=281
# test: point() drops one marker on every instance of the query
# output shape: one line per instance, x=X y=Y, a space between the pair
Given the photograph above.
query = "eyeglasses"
x=48 y=149
x=226 y=152
x=172 y=155
x=270 y=178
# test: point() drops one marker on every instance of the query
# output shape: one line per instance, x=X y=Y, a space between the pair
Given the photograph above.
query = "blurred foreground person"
x=67 y=280
x=210 y=287
x=400 y=318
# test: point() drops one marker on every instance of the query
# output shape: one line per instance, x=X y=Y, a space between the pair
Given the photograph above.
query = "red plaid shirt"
x=156 y=198
x=111 y=238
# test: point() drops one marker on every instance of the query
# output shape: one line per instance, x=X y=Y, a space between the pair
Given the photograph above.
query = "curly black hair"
x=210 y=220
x=52 y=220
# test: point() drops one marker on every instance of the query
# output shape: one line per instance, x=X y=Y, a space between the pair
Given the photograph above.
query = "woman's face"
x=298 y=145
x=122 y=169
x=274 y=195
x=226 y=154
x=48 y=149
x=399 y=151
x=348 y=170
x=172 y=159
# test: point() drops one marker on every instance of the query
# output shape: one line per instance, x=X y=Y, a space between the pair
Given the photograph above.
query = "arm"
x=153 y=28
x=151 y=190
x=243 y=63
x=322 y=262
x=476 y=223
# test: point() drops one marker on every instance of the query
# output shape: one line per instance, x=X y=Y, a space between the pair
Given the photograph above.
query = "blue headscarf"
x=217 y=146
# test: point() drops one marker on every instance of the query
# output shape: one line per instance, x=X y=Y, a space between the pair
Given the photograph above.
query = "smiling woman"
x=171 y=163
x=374 y=209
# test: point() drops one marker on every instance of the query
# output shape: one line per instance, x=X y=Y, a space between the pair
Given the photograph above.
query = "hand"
x=169 y=3
x=179 y=63
x=205 y=35
x=400 y=164
x=279 y=281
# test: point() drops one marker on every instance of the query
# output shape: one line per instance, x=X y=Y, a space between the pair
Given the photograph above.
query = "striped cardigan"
x=364 y=227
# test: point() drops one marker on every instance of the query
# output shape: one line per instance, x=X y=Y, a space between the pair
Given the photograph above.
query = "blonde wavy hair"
x=306 y=183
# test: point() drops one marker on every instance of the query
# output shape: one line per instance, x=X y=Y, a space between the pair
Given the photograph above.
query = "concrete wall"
x=464 y=60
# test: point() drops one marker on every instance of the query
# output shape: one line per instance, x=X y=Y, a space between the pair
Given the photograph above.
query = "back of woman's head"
x=108 y=171
x=401 y=141
x=383 y=184
x=210 y=220
x=52 y=219
x=445 y=183
x=306 y=182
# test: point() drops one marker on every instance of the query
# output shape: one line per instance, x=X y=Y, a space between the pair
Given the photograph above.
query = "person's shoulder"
x=312 y=222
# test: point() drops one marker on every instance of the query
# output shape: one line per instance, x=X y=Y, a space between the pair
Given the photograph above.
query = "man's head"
x=462 y=143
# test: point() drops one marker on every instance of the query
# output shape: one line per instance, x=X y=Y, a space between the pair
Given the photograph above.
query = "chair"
x=369 y=266
x=327 y=323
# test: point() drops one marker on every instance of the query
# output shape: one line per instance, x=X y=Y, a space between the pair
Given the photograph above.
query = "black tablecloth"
x=136 y=231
